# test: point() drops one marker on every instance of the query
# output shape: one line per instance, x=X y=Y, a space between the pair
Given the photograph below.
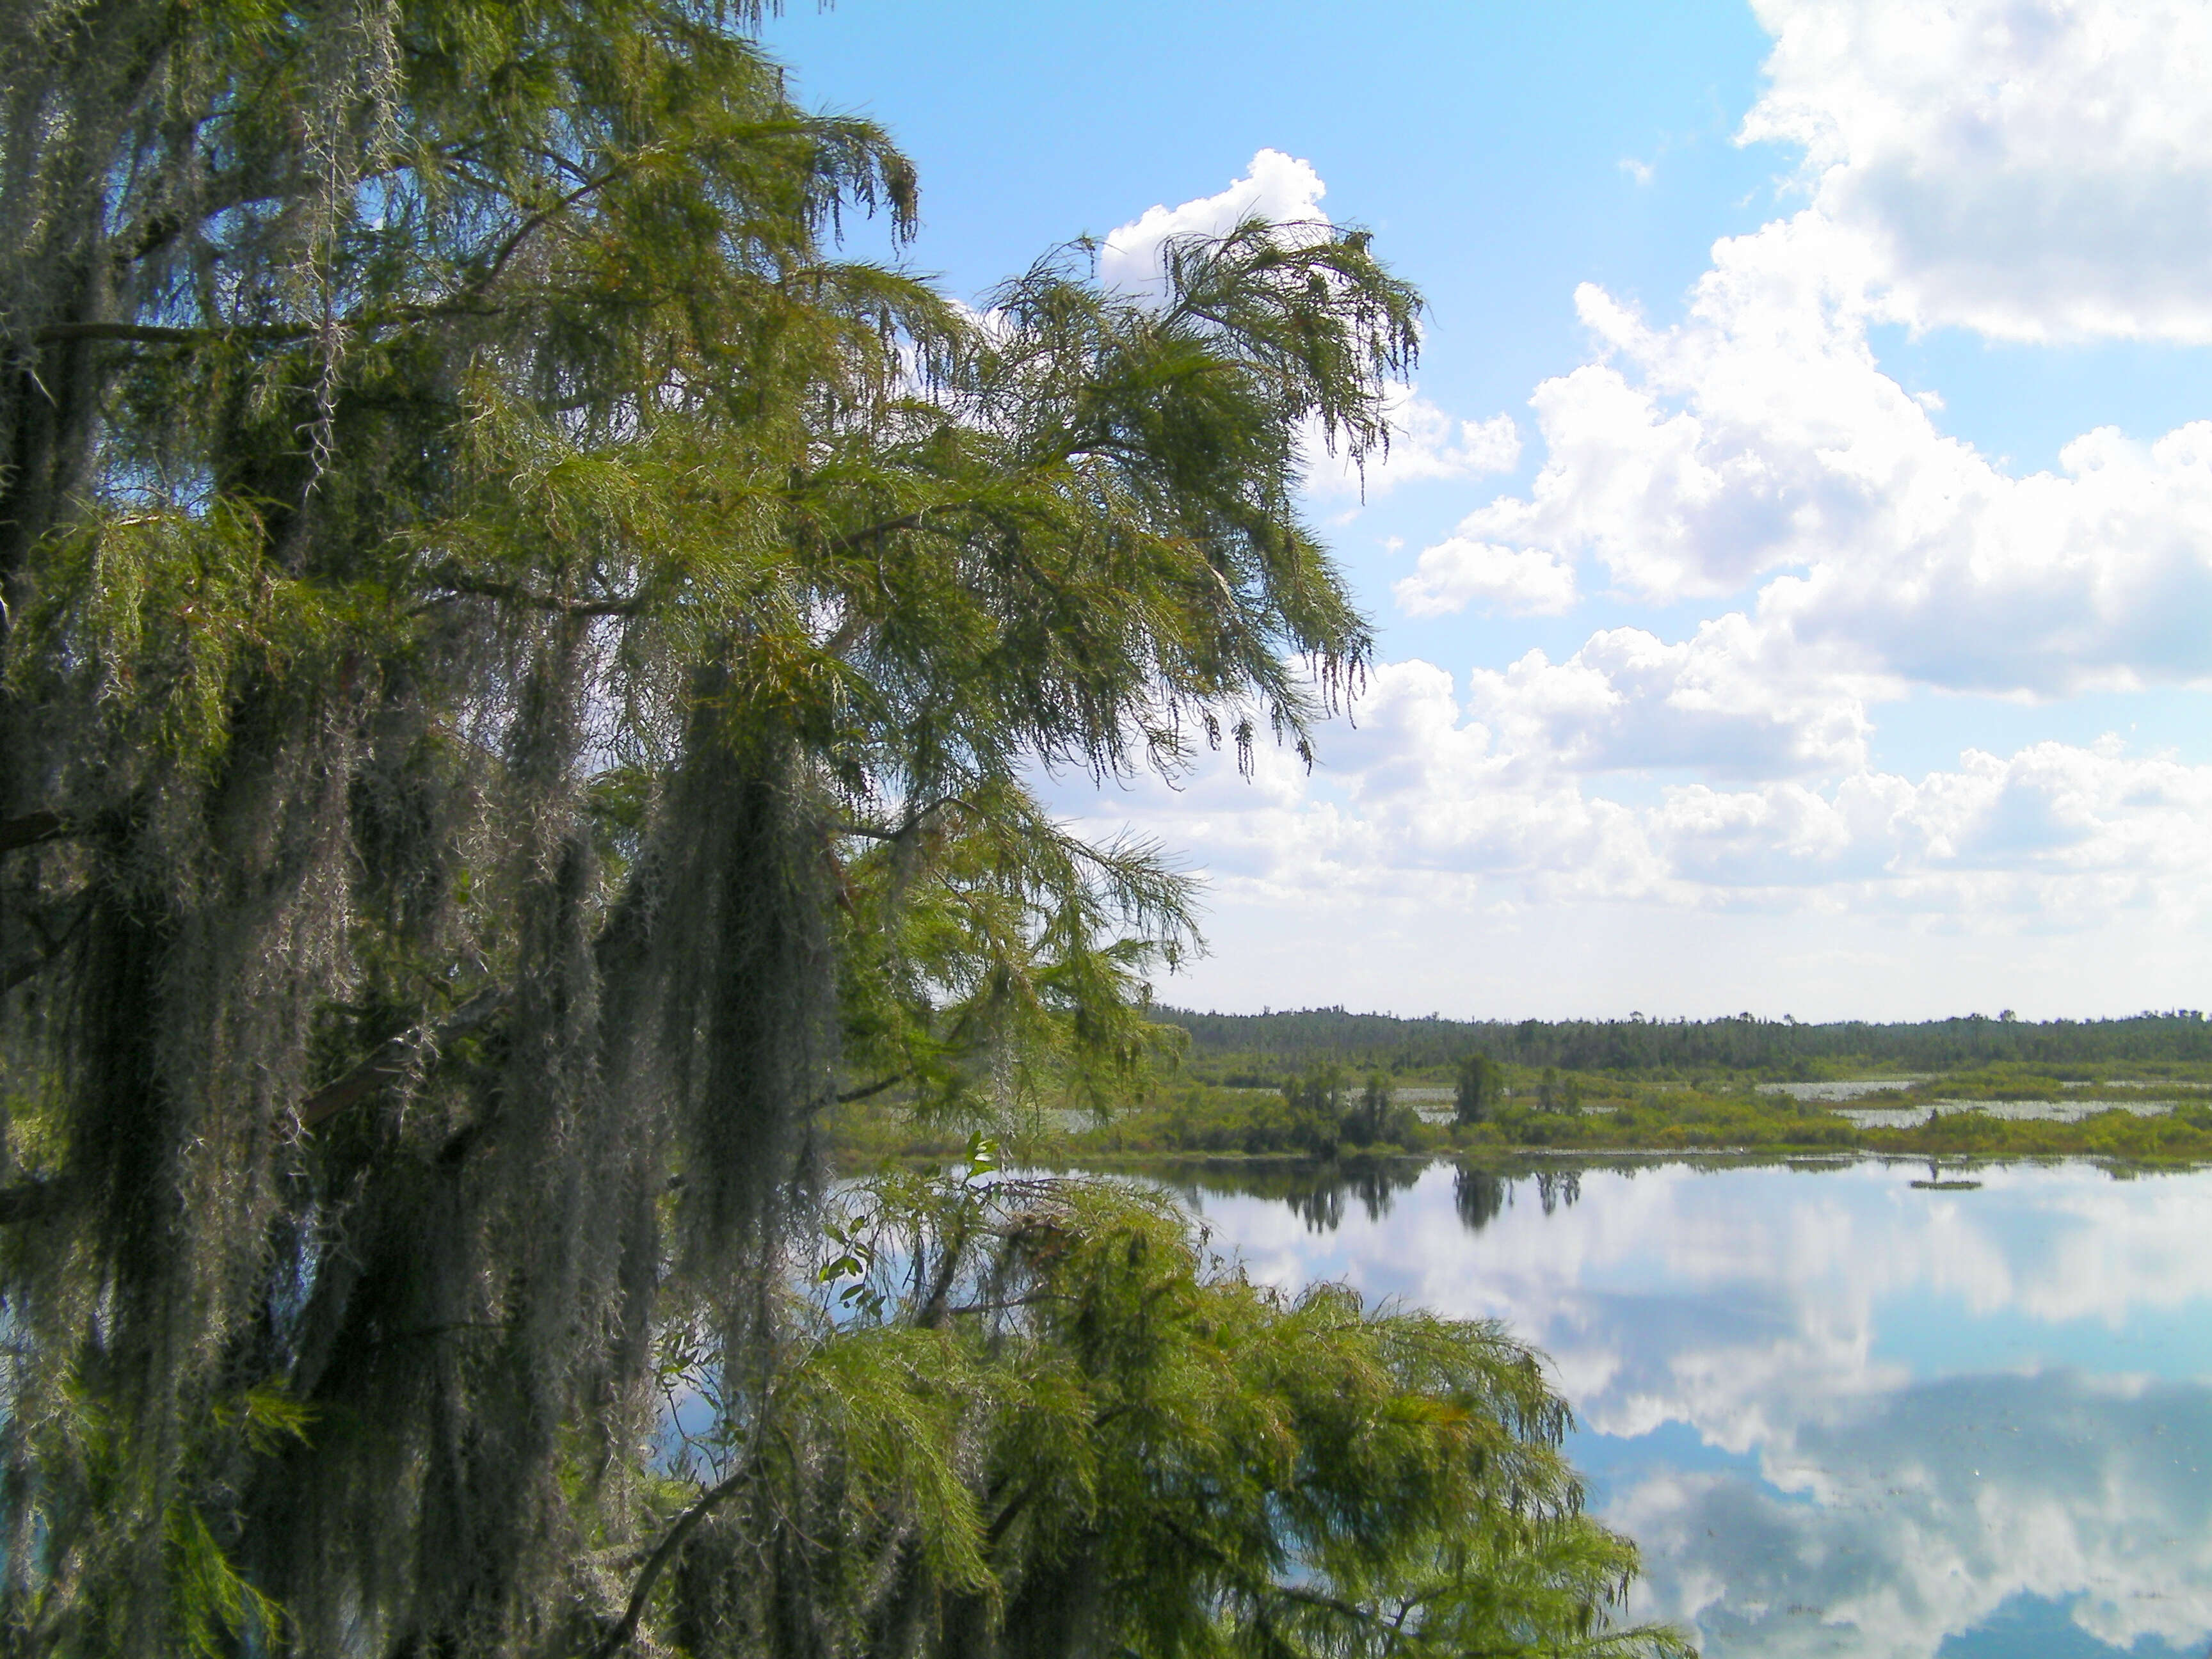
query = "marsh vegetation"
x=1330 y=1087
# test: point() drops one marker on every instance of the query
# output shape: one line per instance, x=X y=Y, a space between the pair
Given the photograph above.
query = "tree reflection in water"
x=1318 y=1191
x=1557 y=1186
x=1479 y=1195
x=1374 y=1184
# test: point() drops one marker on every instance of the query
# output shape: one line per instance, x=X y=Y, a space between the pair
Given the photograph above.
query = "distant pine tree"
x=1478 y=1088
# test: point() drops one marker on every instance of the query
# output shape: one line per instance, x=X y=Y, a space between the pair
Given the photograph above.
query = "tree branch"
x=852 y=539
x=31 y=829
x=871 y=1090
x=31 y=963
x=914 y=817
x=929 y=1311
x=536 y=220
x=397 y=1058
x=28 y=1200
x=848 y=542
x=657 y=1563
x=267 y=333
x=158 y=334
x=454 y=581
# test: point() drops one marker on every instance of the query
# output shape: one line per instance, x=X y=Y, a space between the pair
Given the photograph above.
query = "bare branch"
x=28 y=1200
x=270 y=333
x=392 y=1062
x=871 y=1090
x=455 y=581
x=31 y=829
x=537 y=222
x=657 y=1563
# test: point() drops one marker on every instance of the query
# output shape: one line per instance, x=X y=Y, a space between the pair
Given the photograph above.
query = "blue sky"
x=1792 y=583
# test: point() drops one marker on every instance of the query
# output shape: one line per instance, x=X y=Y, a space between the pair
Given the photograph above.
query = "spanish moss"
x=523 y=667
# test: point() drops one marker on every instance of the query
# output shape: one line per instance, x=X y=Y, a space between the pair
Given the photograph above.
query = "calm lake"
x=1842 y=1414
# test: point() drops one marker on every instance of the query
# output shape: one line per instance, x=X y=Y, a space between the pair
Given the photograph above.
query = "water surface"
x=1842 y=1414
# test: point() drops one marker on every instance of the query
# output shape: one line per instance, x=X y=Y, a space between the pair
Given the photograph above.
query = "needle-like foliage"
x=1036 y=1418
x=523 y=671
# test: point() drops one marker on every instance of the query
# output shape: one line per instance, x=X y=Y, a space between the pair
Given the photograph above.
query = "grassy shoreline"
x=1965 y=1114
x=1956 y=1137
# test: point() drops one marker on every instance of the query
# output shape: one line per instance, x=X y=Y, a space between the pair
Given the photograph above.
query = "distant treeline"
x=1276 y=1043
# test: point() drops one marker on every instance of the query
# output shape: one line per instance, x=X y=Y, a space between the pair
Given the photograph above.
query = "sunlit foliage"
x=523 y=674
x=1143 y=1452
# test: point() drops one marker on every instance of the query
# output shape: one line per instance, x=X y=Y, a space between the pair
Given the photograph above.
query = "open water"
x=1842 y=1413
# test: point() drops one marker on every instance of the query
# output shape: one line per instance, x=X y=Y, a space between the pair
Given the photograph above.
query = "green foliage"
x=1318 y=1108
x=213 y=1607
x=984 y=968
x=1674 y=1120
x=1307 y=1119
x=1478 y=1088
x=2183 y=1137
x=1226 y=1046
x=1059 y=1425
x=524 y=675
x=1615 y=1113
x=1368 y=1122
x=156 y=614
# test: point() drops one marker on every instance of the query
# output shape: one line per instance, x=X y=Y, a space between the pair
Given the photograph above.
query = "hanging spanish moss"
x=520 y=669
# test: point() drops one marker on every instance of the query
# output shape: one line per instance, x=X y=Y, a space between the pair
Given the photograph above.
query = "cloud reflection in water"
x=1842 y=1414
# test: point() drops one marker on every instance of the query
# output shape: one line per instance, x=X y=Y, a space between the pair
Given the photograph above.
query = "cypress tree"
x=523 y=667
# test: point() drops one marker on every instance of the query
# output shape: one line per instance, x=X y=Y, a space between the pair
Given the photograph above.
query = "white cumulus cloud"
x=1279 y=188
x=1440 y=800
x=1425 y=443
x=1460 y=571
x=1718 y=702
x=2031 y=169
x=2034 y=170
x=1759 y=441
